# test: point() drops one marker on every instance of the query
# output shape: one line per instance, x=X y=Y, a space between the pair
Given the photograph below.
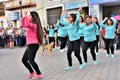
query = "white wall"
x=96 y=10
x=101 y=13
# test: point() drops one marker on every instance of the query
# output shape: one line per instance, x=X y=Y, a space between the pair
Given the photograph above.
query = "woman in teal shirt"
x=89 y=32
x=62 y=36
x=80 y=32
x=110 y=27
x=72 y=27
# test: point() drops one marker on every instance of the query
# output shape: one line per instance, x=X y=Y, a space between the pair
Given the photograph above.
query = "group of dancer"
x=73 y=27
x=86 y=33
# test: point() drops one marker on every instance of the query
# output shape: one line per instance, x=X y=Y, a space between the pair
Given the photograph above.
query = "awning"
x=92 y=2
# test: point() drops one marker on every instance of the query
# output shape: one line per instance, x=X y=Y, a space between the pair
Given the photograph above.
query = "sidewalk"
x=11 y=67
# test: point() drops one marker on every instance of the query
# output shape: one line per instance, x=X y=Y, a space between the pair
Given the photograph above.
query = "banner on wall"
x=74 y=5
x=14 y=16
x=101 y=1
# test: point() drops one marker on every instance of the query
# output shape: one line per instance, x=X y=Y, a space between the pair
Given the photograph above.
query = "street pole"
x=20 y=2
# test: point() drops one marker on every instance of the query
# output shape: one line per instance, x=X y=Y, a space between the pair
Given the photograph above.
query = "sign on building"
x=74 y=5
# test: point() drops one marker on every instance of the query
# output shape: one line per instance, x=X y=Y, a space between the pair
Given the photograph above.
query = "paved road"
x=11 y=67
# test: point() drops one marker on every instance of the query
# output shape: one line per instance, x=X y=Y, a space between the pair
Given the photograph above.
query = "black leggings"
x=29 y=56
x=82 y=42
x=74 y=46
x=63 y=41
x=118 y=41
x=109 y=44
x=92 y=50
x=96 y=45
x=52 y=39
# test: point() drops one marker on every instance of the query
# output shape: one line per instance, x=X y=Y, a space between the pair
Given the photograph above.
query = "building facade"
x=49 y=10
x=2 y=14
x=12 y=11
x=104 y=8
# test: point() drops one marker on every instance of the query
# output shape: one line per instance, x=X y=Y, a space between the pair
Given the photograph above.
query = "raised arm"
x=62 y=21
x=102 y=23
x=27 y=24
x=57 y=26
x=48 y=28
x=115 y=22
x=77 y=18
x=78 y=15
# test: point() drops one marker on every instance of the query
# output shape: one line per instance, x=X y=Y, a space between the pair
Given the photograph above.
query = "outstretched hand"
x=25 y=13
x=106 y=18
x=64 y=12
x=80 y=9
x=93 y=18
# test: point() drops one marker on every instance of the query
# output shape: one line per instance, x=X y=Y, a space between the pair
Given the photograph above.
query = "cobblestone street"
x=11 y=67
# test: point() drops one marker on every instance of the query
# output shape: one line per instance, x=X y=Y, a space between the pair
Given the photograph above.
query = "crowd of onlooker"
x=11 y=36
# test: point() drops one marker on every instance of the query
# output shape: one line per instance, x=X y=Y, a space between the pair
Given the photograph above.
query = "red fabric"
x=119 y=24
x=103 y=32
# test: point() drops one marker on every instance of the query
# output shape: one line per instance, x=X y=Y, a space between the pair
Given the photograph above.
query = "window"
x=2 y=12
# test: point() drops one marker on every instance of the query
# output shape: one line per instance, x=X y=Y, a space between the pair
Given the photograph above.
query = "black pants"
x=92 y=50
x=29 y=56
x=74 y=46
x=63 y=41
x=96 y=45
x=57 y=42
x=109 y=44
x=2 y=42
x=82 y=42
x=118 y=41
x=52 y=39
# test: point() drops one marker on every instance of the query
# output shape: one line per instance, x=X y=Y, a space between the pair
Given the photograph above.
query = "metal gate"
x=53 y=15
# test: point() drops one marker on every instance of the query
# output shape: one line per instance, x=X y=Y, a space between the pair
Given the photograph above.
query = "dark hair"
x=37 y=21
x=62 y=25
x=73 y=17
x=110 y=20
x=52 y=26
x=88 y=17
x=97 y=22
x=82 y=18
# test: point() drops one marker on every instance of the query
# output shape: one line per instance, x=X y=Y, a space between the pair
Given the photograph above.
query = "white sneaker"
x=113 y=56
x=107 y=55
x=54 y=49
x=68 y=68
x=62 y=50
x=65 y=49
x=97 y=53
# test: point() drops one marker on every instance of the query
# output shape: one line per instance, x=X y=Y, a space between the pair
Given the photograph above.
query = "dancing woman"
x=34 y=37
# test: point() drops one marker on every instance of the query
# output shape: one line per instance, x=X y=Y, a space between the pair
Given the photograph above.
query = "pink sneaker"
x=30 y=75
x=37 y=76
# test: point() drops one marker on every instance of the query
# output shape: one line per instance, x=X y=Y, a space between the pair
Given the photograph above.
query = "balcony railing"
x=13 y=5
